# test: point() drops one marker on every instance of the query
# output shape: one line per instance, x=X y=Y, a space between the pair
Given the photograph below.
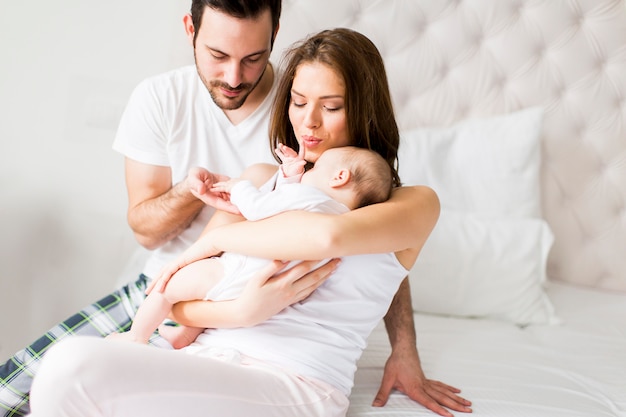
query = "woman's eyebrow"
x=295 y=92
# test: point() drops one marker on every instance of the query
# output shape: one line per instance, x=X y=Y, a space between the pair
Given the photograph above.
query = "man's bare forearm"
x=158 y=220
x=399 y=319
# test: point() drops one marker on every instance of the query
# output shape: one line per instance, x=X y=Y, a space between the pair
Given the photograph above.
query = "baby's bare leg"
x=190 y=283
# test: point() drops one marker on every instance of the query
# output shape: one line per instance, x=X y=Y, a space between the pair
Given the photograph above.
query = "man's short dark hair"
x=241 y=9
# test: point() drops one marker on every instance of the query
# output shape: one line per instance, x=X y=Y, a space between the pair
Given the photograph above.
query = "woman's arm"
x=264 y=295
x=403 y=223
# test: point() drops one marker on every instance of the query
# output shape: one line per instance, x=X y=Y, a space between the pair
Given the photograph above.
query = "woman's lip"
x=310 y=140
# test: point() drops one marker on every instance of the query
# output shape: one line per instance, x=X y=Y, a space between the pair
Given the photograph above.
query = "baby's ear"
x=340 y=178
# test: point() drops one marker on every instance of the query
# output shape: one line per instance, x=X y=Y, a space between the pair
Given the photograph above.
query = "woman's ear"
x=190 y=31
x=340 y=178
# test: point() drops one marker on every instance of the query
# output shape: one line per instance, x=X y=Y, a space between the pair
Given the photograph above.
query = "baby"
x=342 y=179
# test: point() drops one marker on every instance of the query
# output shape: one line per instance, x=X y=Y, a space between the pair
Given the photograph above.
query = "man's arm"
x=158 y=210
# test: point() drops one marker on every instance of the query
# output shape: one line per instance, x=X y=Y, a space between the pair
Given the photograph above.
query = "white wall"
x=67 y=68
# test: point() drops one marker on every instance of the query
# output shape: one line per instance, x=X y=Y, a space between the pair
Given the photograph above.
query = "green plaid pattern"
x=112 y=313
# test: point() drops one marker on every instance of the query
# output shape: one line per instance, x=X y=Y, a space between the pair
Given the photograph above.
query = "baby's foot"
x=177 y=336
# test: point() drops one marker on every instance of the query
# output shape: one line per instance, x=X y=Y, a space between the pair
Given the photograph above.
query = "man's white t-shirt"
x=171 y=120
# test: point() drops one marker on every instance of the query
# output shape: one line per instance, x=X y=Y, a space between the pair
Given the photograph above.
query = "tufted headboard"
x=478 y=58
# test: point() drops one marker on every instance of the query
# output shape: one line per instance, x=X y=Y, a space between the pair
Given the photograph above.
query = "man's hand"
x=403 y=372
x=200 y=181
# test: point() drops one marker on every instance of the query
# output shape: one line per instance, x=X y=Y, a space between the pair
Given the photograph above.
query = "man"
x=214 y=115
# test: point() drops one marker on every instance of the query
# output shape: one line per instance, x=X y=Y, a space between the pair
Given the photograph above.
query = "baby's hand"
x=292 y=163
x=200 y=182
x=225 y=187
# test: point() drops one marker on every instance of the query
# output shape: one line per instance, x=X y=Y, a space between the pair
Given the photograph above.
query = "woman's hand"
x=265 y=294
x=406 y=375
x=160 y=282
x=270 y=291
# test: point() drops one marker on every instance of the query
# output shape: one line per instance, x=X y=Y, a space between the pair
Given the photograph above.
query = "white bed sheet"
x=577 y=368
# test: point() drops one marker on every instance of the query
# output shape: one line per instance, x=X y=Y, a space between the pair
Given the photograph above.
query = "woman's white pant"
x=92 y=377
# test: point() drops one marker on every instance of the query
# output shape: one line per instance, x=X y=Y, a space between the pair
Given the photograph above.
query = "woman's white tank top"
x=323 y=336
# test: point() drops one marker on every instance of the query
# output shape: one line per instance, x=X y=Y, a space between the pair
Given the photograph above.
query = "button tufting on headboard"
x=455 y=59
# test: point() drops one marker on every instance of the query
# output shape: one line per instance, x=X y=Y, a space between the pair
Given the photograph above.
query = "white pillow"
x=487 y=255
x=471 y=266
x=491 y=166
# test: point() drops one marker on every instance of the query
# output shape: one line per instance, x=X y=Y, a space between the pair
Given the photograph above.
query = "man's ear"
x=340 y=178
x=274 y=35
x=190 y=30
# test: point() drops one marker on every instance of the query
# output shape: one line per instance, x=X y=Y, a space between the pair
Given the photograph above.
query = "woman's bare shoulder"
x=416 y=199
x=422 y=192
x=419 y=207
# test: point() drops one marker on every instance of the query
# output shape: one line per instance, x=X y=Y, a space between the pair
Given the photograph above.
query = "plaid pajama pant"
x=112 y=313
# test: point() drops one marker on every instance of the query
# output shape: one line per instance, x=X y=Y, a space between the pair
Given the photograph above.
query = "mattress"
x=575 y=368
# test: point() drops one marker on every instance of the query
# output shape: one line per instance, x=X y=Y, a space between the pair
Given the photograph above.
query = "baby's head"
x=355 y=176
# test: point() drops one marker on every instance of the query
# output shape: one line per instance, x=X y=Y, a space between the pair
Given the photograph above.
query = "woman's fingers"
x=311 y=280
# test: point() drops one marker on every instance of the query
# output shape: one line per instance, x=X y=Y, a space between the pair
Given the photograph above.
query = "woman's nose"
x=312 y=119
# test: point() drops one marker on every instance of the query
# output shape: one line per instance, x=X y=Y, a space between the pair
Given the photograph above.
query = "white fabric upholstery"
x=457 y=59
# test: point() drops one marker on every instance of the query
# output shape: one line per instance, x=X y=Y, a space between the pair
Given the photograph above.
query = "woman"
x=302 y=360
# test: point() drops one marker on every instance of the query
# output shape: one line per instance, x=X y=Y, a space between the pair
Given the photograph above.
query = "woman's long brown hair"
x=369 y=109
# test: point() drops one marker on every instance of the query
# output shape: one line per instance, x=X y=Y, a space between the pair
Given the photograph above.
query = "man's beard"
x=226 y=103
